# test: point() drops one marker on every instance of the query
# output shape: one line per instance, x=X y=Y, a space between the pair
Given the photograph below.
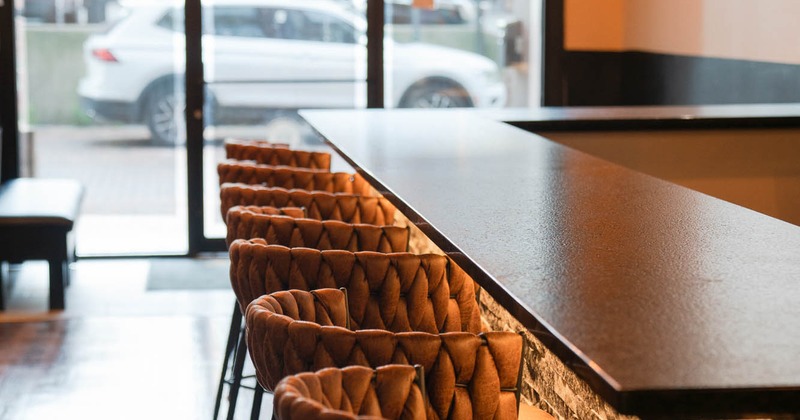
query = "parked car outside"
x=263 y=55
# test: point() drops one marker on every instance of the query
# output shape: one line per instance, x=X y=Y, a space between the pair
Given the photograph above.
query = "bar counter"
x=666 y=301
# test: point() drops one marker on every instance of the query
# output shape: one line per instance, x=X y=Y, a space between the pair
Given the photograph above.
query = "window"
x=402 y=14
x=172 y=20
x=238 y=21
x=306 y=25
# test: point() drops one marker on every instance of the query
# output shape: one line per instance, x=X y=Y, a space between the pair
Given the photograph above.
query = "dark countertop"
x=647 y=117
x=663 y=299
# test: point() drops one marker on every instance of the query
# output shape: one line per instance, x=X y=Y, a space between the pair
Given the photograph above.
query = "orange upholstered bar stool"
x=235 y=330
x=351 y=208
x=396 y=291
x=298 y=231
x=268 y=227
x=354 y=392
x=292 y=178
x=276 y=154
x=467 y=375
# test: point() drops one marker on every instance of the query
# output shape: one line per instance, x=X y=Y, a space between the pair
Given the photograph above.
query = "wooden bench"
x=36 y=221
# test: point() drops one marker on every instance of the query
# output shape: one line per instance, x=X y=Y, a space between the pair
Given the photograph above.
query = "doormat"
x=188 y=274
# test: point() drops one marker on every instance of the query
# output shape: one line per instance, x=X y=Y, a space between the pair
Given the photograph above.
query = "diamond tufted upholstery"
x=396 y=291
x=271 y=154
x=319 y=234
x=354 y=392
x=467 y=375
x=318 y=205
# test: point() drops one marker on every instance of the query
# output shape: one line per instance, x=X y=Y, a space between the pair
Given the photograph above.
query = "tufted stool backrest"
x=353 y=392
x=290 y=178
x=318 y=205
x=467 y=375
x=322 y=306
x=395 y=291
x=271 y=154
x=310 y=233
x=274 y=211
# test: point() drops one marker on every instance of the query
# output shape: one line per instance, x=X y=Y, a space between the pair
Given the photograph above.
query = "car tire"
x=436 y=94
x=164 y=115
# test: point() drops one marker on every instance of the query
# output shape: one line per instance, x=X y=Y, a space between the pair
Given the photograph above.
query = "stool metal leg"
x=238 y=367
x=255 y=412
x=230 y=350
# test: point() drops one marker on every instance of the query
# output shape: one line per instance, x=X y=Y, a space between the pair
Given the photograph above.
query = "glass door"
x=98 y=85
x=462 y=54
x=262 y=61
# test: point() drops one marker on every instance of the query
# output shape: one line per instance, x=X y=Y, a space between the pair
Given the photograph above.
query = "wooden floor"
x=118 y=350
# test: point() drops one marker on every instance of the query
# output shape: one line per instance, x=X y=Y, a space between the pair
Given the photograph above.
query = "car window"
x=226 y=21
x=238 y=21
x=401 y=14
x=172 y=20
x=303 y=25
x=306 y=25
x=114 y=16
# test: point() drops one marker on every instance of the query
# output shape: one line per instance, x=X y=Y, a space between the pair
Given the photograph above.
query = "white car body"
x=253 y=71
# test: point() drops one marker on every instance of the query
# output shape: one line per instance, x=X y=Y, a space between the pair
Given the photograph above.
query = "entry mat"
x=188 y=274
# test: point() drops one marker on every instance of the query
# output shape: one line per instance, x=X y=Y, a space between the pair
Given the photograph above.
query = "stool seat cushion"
x=40 y=202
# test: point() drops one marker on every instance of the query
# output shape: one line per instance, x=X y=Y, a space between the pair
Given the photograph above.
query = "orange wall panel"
x=594 y=25
x=738 y=29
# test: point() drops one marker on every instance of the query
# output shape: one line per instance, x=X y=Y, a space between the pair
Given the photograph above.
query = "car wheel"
x=164 y=114
x=436 y=95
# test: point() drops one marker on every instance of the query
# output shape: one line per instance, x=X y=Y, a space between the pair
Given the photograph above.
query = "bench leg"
x=57 y=268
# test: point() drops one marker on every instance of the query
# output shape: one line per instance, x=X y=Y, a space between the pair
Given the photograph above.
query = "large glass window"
x=120 y=91
x=95 y=82
x=263 y=62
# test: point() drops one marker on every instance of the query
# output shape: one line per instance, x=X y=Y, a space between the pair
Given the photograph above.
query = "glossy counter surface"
x=663 y=299
x=647 y=117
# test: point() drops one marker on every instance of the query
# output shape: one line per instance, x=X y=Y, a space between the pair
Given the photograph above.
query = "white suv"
x=262 y=55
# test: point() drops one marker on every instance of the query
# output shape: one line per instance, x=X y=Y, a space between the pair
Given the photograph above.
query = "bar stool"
x=467 y=375
x=396 y=291
x=319 y=205
x=354 y=392
x=236 y=320
x=275 y=154
x=274 y=228
x=294 y=231
x=290 y=178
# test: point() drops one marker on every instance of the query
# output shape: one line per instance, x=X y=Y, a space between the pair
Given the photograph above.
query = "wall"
x=594 y=25
x=756 y=168
x=681 y=52
x=52 y=96
x=734 y=29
